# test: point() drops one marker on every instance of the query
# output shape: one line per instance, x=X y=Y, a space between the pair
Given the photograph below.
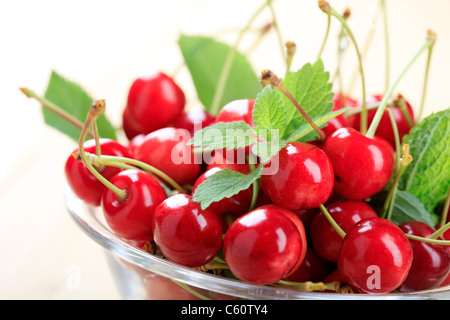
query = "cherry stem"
x=431 y=38
x=428 y=240
x=96 y=110
x=56 y=110
x=325 y=7
x=325 y=38
x=256 y=187
x=190 y=290
x=386 y=41
x=277 y=30
x=332 y=221
x=400 y=102
x=357 y=110
x=403 y=164
x=342 y=45
x=220 y=89
x=439 y=232
x=425 y=83
x=116 y=161
x=262 y=32
x=268 y=77
x=310 y=286
x=291 y=47
x=445 y=209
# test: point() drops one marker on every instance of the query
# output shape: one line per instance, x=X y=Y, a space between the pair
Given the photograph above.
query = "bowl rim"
x=89 y=219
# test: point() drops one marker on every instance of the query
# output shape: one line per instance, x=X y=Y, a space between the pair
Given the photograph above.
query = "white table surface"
x=103 y=45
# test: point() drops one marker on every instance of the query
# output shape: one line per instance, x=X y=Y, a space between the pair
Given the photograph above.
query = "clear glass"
x=140 y=275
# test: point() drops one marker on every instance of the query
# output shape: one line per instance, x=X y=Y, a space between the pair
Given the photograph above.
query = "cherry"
x=193 y=120
x=226 y=161
x=236 y=205
x=362 y=166
x=313 y=268
x=384 y=129
x=340 y=121
x=153 y=102
x=185 y=233
x=83 y=183
x=346 y=213
x=237 y=110
x=263 y=246
x=304 y=179
x=375 y=256
x=167 y=150
x=431 y=263
x=132 y=217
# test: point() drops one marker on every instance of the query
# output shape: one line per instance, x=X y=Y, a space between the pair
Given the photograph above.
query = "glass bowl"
x=142 y=276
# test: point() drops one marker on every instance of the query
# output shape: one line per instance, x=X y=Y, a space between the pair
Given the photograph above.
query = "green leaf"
x=428 y=175
x=269 y=113
x=230 y=135
x=266 y=150
x=70 y=97
x=311 y=88
x=408 y=208
x=205 y=58
x=320 y=121
x=224 y=184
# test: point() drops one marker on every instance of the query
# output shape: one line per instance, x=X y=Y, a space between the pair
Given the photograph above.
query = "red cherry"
x=375 y=256
x=431 y=263
x=362 y=166
x=384 y=129
x=303 y=177
x=340 y=121
x=153 y=102
x=83 y=183
x=236 y=205
x=226 y=161
x=185 y=233
x=167 y=150
x=313 y=268
x=346 y=213
x=237 y=110
x=132 y=218
x=263 y=246
x=193 y=120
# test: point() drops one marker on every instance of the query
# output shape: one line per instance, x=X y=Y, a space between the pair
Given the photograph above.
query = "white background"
x=104 y=45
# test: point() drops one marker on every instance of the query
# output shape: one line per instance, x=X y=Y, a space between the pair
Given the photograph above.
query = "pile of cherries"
x=286 y=238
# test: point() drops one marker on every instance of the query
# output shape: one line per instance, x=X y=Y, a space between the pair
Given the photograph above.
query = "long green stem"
x=56 y=110
x=118 y=161
x=431 y=38
x=428 y=240
x=445 y=209
x=425 y=84
x=277 y=30
x=325 y=6
x=439 y=232
x=95 y=111
x=332 y=221
x=325 y=38
x=220 y=89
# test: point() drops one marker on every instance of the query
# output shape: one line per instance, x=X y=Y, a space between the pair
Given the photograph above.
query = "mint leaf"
x=230 y=135
x=408 y=208
x=269 y=113
x=311 y=88
x=76 y=101
x=224 y=184
x=205 y=58
x=266 y=150
x=428 y=176
x=320 y=121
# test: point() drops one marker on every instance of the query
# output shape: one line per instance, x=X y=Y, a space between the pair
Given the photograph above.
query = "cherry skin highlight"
x=431 y=263
x=263 y=246
x=362 y=166
x=82 y=182
x=185 y=233
x=153 y=102
x=375 y=256
x=299 y=177
x=193 y=120
x=132 y=218
x=167 y=150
